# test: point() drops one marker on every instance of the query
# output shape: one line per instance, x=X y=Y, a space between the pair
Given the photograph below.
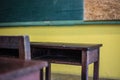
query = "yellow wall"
x=108 y=35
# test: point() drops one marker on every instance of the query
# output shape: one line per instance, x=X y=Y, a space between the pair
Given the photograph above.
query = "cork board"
x=101 y=10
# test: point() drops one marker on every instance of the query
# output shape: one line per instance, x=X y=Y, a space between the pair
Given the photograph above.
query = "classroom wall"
x=108 y=35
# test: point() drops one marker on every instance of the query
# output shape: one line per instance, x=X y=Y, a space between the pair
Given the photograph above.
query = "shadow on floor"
x=56 y=76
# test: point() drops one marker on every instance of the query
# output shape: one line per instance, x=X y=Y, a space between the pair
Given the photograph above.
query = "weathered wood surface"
x=16 y=69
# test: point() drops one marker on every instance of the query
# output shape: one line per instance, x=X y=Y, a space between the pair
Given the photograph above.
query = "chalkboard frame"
x=54 y=22
x=57 y=23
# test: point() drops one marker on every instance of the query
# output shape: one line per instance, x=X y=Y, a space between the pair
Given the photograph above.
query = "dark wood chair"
x=11 y=45
x=16 y=47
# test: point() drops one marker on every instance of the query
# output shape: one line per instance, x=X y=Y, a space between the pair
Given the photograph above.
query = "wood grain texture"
x=16 y=69
x=101 y=10
x=20 y=43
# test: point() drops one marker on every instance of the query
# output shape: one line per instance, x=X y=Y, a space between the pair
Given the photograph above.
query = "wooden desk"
x=68 y=53
x=14 y=69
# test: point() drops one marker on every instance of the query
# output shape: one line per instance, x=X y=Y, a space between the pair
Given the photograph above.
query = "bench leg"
x=48 y=72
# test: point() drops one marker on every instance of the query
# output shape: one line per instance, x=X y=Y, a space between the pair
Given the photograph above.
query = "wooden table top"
x=10 y=68
x=61 y=45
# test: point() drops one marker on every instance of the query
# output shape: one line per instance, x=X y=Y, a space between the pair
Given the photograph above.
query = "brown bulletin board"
x=101 y=10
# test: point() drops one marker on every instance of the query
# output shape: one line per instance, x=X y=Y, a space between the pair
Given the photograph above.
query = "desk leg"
x=96 y=71
x=96 y=68
x=84 y=74
x=48 y=72
x=41 y=74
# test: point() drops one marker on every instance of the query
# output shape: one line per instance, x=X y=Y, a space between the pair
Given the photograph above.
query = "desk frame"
x=89 y=54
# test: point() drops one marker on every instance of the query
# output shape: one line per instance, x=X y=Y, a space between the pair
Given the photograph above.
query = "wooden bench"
x=16 y=47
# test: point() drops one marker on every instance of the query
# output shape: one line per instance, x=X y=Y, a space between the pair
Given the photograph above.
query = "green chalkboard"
x=27 y=11
x=42 y=12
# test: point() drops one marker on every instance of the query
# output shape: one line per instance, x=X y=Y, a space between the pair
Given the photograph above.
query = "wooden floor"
x=71 y=77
